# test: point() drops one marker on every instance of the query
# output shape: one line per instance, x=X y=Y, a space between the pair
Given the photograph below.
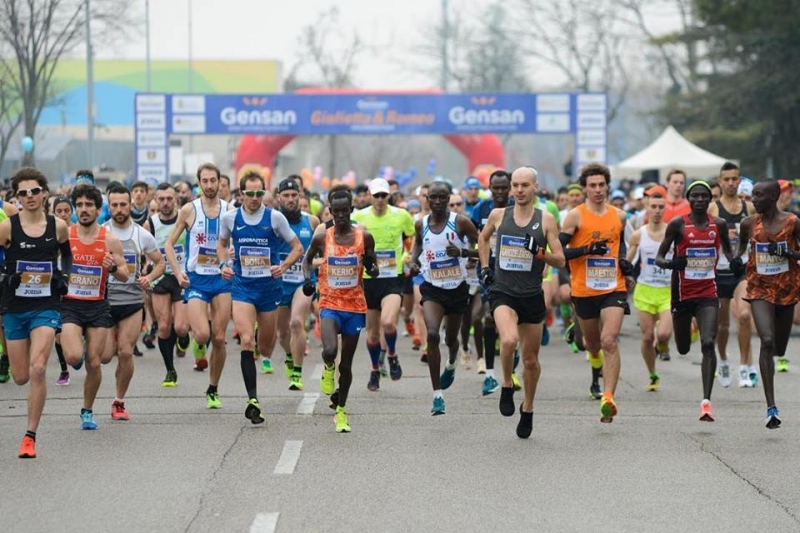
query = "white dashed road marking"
x=264 y=523
x=289 y=457
x=306 y=406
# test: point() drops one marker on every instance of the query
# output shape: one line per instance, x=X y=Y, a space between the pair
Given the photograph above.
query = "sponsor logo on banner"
x=151 y=174
x=188 y=104
x=552 y=103
x=591 y=120
x=151 y=138
x=478 y=117
x=592 y=137
x=556 y=123
x=154 y=156
x=188 y=123
x=591 y=102
x=151 y=103
x=151 y=121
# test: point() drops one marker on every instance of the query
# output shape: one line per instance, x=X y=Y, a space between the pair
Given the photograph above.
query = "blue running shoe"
x=773 y=422
x=438 y=406
x=80 y=364
x=87 y=420
x=490 y=385
x=545 y=336
x=447 y=377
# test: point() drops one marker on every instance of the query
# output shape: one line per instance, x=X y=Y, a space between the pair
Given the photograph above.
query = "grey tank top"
x=516 y=271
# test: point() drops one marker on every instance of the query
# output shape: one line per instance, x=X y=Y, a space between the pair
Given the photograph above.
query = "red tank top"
x=340 y=286
x=87 y=279
x=701 y=249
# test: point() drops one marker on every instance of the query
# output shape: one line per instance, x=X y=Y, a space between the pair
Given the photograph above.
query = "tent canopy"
x=670 y=150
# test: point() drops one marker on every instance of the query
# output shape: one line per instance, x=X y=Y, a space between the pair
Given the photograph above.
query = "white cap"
x=378 y=185
x=638 y=193
x=746 y=187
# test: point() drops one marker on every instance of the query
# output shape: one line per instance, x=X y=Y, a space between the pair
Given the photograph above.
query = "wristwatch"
x=222 y=264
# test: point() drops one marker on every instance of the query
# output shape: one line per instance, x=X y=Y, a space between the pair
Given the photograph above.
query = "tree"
x=38 y=33
x=10 y=119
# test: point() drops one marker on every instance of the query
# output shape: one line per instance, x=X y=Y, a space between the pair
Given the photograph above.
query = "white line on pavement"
x=317 y=374
x=264 y=523
x=289 y=456
x=306 y=406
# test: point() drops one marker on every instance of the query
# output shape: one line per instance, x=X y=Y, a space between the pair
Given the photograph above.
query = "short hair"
x=728 y=165
x=226 y=178
x=207 y=166
x=594 y=169
x=112 y=184
x=84 y=190
x=340 y=191
x=295 y=177
x=252 y=175
x=119 y=189
x=772 y=185
x=675 y=171
x=140 y=185
x=499 y=174
x=446 y=185
x=361 y=188
x=163 y=186
x=392 y=182
x=28 y=174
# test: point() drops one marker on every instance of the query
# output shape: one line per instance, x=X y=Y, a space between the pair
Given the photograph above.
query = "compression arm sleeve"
x=570 y=253
x=66 y=256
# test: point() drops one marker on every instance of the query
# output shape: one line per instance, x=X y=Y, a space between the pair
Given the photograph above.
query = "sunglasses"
x=22 y=193
x=380 y=195
x=254 y=194
x=456 y=204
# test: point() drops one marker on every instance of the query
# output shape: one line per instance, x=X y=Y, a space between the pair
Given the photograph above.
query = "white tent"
x=670 y=150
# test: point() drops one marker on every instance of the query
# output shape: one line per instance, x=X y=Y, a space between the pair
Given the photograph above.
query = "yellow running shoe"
x=515 y=381
x=608 y=409
x=296 y=381
x=171 y=380
x=213 y=401
x=342 y=426
x=654 y=383
x=266 y=366
x=782 y=365
x=326 y=383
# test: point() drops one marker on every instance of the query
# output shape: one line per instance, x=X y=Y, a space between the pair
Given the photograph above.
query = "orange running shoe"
x=27 y=450
x=118 y=411
x=410 y=329
x=608 y=408
x=317 y=332
x=416 y=342
x=706 y=414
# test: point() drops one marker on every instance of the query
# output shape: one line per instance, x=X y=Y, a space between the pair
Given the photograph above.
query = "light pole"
x=147 y=44
x=191 y=71
x=89 y=89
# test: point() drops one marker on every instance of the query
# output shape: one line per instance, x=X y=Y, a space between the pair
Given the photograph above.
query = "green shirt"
x=388 y=231
x=551 y=208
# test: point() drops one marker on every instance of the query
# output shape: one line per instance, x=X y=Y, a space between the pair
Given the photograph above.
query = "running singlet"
x=201 y=241
x=34 y=259
x=87 y=279
x=388 y=231
x=304 y=234
x=700 y=247
x=771 y=278
x=438 y=268
x=595 y=275
x=650 y=274
x=161 y=230
x=340 y=286
x=136 y=241
x=734 y=222
x=517 y=272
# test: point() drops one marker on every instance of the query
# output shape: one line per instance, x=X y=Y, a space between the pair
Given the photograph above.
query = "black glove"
x=14 y=280
x=61 y=282
x=678 y=262
x=597 y=248
x=368 y=261
x=487 y=276
x=779 y=250
x=625 y=267
x=531 y=244
x=308 y=288
x=737 y=266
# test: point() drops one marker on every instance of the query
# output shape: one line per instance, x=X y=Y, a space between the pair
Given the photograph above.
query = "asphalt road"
x=177 y=467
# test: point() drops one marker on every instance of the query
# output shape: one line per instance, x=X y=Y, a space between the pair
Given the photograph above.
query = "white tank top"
x=439 y=269
x=650 y=274
x=201 y=240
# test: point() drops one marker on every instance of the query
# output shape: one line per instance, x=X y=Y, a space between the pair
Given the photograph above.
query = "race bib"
x=35 y=279
x=343 y=272
x=295 y=272
x=446 y=273
x=85 y=281
x=255 y=261
x=178 y=255
x=655 y=276
x=513 y=255
x=770 y=265
x=601 y=273
x=207 y=262
x=387 y=263
x=700 y=263
x=472 y=277
x=130 y=265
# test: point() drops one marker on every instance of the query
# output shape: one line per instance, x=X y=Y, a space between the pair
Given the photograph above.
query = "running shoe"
x=266 y=366
x=87 y=420
x=136 y=351
x=654 y=383
x=213 y=401
x=149 y=338
x=416 y=343
x=515 y=381
x=296 y=381
x=424 y=358
x=695 y=335
x=490 y=385
x=438 y=406
x=724 y=375
x=333 y=401
x=507 y=407
x=395 y=370
x=80 y=363
x=573 y=347
x=481 y=366
x=5 y=372
x=326 y=384
x=63 y=379
x=744 y=378
x=374 y=380
x=594 y=391
x=198 y=350
x=545 y=336
x=753 y=378
x=253 y=411
x=782 y=365
x=466 y=357
x=382 y=364
x=27 y=448
x=118 y=411
x=200 y=364
x=411 y=331
x=569 y=333
x=706 y=414
x=182 y=345
x=288 y=367
x=340 y=418
x=171 y=380
x=662 y=349
x=608 y=409
x=773 y=422
x=448 y=376
x=525 y=425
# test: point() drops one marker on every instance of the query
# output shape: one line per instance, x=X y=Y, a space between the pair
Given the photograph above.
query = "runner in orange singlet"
x=345 y=249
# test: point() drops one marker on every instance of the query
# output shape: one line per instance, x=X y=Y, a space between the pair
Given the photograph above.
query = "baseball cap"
x=785 y=185
x=746 y=187
x=82 y=179
x=288 y=184
x=378 y=185
x=472 y=183
x=617 y=195
x=656 y=190
x=413 y=204
x=638 y=193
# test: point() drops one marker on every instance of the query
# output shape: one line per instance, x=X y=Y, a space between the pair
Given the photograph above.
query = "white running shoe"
x=724 y=375
x=744 y=378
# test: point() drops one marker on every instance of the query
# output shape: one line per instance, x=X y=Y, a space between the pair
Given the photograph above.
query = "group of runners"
x=500 y=268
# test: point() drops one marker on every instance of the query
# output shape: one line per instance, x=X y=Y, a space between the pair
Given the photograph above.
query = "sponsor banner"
x=146 y=138
x=151 y=121
x=151 y=174
x=151 y=103
x=151 y=156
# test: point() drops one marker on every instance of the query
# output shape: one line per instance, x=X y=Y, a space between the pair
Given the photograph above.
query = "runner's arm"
x=316 y=246
x=555 y=256
x=672 y=235
x=114 y=246
x=369 y=255
x=634 y=245
x=5 y=233
x=466 y=228
x=567 y=232
x=177 y=231
x=724 y=237
x=62 y=232
x=484 y=251
x=745 y=228
x=415 y=253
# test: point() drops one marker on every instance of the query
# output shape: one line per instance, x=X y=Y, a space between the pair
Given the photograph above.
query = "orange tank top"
x=87 y=279
x=340 y=286
x=595 y=275
x=771 y=278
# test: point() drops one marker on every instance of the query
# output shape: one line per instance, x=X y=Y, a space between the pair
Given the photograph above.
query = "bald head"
x=524 y=185
x=525 y=173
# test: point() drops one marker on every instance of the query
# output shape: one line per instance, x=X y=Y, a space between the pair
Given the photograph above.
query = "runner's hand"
x=183 y=279
x=531 y=244
x=737 y=267
x=678 y=262
x=276 y=271
x=452 y=250
x=487 y=276
x=227 y=272
x=308 y=288
x=414 y=269
x=779 y=250
x=626 y=268
x=108 y=261
x=597 y=248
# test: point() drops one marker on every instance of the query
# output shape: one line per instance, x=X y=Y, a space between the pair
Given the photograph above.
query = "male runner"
x=524 y=233
x=444 y=240
x=600 y=272
x=257 y=234
x=652 y=294
x=772 y=280
x=126 y=299
x=170 y=313
x=731 y=288
x=295 y=306
x=140 y=208
x=345 y=249
x=198 y=225
x=677 y=205
x=85 y=310
x=224 y=188
x=388 y=226
x=696 y=238
x=30 y=301
x=470 y=192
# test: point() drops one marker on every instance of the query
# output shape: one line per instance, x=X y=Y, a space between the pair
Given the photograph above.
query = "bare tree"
x=10 y=118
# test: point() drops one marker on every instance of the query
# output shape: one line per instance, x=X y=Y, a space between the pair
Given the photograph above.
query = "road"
x=176 y=467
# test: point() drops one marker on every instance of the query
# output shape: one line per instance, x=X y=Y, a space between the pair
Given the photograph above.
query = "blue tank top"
x=304 y=233
x=256 y=247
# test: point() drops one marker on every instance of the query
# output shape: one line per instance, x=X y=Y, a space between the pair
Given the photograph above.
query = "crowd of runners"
x=494 y=272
